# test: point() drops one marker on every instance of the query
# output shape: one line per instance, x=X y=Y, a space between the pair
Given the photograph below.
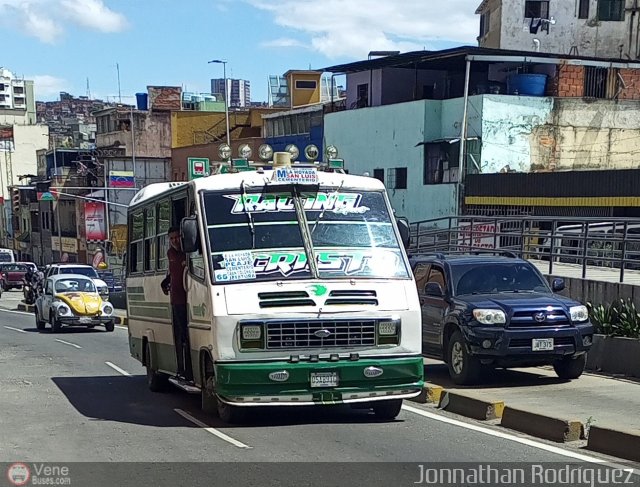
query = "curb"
x=618 y=443
x=470 y=407
x=122 y=320
x=430 y=394
x=546 y=427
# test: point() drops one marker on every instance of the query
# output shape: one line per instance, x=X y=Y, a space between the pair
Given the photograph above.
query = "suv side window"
x=436 y=274
x=421 y=273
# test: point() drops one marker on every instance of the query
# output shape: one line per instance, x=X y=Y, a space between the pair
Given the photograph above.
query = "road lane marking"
x=68 y=343
x=16 y=312
x=15 y=329
x=517 y=439
x=118 y=369
x=211 y=430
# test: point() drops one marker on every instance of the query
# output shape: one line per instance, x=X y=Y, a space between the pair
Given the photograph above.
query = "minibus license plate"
x=324 y=379
x=542 y=344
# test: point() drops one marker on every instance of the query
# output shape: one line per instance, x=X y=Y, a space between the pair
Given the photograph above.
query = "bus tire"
x=156 y=381
x=388 y=409
x=209 y=399
x=228 y=413
x=212 y=405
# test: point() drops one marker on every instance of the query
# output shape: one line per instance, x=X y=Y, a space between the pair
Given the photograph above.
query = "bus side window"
x=135 y=248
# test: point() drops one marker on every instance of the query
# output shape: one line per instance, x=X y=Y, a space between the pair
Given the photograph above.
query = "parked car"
x=72 y=300
x=12 y=276
x=482 y=311
x=114 y=284
x=81 y=269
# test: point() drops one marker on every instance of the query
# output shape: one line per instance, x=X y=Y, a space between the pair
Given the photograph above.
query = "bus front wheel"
x=387 y=410
x=212 y=405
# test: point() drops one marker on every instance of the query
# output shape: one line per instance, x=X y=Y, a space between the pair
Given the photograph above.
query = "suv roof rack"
x=443 y=255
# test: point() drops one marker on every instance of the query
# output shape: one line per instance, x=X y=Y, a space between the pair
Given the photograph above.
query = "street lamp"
x=226 y=94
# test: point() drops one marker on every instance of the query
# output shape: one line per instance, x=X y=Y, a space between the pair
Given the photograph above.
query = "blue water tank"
x=142 y=99
x=528 y=84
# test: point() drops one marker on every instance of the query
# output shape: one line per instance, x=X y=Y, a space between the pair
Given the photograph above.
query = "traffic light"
x=15 y=200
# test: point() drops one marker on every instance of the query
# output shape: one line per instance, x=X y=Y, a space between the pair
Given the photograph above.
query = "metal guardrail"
x=589 y=243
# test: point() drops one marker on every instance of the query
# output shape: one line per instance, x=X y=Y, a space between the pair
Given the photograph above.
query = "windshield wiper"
x=249 y=215
x=321 y=215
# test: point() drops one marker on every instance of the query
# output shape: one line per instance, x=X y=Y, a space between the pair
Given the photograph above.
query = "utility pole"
x=226 y=95
x=57 y=202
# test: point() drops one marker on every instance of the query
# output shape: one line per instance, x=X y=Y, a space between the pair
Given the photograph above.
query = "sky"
x=60 y=44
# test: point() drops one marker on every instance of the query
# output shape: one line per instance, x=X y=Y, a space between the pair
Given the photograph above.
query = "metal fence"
x=579 y=244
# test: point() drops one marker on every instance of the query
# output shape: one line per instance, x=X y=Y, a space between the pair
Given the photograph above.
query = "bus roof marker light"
x=281 y=159
x=265 y=152
x=293 y=150
x=311 y=152
x=331 y=152
x=336 y=163
x=224 y=151
x=245 y=151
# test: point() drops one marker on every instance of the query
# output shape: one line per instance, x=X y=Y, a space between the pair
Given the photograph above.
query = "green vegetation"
x=620 y=318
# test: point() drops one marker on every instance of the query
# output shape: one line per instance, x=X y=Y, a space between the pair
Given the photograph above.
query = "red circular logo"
x=18 y=474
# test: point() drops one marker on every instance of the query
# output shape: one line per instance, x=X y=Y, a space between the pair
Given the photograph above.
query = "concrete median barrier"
x=430 y=394
x=541 y=426
x=27 y=308
x=617 y=443
x=471 y=407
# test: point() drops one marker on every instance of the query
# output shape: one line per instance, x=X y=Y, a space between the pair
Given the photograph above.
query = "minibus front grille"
x=320 y=334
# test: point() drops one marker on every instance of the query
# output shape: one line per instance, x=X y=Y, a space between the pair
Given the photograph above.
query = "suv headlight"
x=490 y=316
x=579 y=313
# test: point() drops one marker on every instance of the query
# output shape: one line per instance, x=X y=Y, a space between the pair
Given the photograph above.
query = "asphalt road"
x=78 y=396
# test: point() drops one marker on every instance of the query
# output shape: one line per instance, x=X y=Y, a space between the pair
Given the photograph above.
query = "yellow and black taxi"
x=72 y=300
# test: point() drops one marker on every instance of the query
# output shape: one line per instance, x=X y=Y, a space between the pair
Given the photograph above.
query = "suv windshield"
x=351 y=232
x=497 y=278
x=83 y=271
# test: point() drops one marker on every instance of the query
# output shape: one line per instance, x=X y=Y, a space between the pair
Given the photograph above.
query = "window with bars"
x=397 y=178
x=536 y=9
x=583 y=9
x=611 y=10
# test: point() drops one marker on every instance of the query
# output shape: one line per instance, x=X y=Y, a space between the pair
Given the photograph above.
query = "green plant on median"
x=620 y=318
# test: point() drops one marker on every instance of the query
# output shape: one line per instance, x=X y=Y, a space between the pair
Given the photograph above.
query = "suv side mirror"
x=403 y=228
x=434 y=289
x=189 y=234
x=558 y=285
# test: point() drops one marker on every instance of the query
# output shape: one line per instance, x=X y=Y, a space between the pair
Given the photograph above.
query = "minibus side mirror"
x=405 y=234
x=189 y=234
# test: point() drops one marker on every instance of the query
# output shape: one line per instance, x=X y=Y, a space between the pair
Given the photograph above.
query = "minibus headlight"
x=251 y=336
x=251 y=332
x=389 y=332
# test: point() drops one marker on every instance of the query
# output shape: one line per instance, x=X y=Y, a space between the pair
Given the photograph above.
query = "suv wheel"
x=570 y=367
x=464 y=368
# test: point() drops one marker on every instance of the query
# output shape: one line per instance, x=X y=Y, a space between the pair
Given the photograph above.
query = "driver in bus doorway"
x=173 y=285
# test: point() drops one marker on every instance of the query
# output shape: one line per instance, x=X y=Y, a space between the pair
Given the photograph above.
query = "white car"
x=80 y=269
x=72 y=300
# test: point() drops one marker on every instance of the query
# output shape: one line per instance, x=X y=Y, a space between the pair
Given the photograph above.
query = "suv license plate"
x=542 y=344
x=324 y=379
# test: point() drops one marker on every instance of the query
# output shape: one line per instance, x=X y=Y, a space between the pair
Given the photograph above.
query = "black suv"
x=491 y=310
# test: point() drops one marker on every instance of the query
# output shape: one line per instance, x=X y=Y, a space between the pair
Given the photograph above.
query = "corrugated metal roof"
x=422 y=59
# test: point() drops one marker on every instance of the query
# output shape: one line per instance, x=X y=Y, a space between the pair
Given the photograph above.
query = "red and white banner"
x=95 y=221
